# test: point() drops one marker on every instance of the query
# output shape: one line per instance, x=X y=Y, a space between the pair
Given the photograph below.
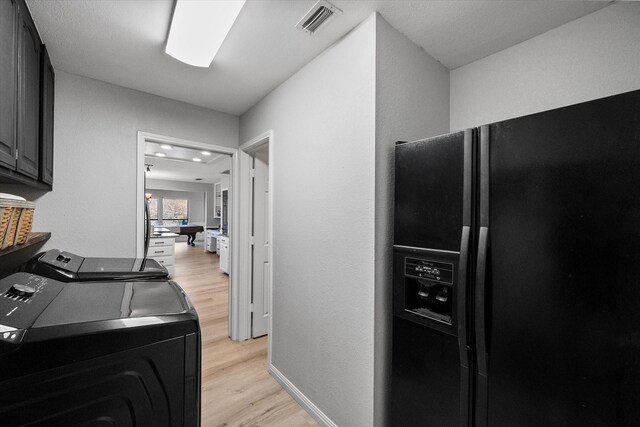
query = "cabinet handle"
x=159 y=243
x=159 y=252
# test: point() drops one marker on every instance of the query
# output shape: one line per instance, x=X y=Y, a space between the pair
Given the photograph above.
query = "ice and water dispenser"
x=424 y=287
x=428 y=288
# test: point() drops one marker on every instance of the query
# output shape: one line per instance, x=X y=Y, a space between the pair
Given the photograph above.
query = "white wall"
x=333 y=151
x=412 y=102
x=94 y=192
x=196 y=203
x=323 y=119
x=188 y=186
x=162 y=184
x=592 y=57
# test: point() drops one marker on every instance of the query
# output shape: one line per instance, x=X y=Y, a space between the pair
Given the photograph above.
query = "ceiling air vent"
x=318 y=15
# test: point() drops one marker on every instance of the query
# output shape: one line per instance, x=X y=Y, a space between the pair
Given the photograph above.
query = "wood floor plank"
x=237 y=390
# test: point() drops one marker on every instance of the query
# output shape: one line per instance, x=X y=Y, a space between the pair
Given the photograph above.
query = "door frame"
x=245 y=264
x=236 y=310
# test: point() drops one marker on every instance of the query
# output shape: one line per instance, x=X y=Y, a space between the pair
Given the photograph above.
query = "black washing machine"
x=126 y=354
x=67 y=267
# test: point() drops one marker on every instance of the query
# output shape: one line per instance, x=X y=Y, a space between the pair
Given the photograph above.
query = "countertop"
x=164 y=235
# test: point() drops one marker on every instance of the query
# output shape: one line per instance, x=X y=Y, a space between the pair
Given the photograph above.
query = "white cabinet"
x=223 y=251
x=212 y=238
x=224 y=217
x=217 y=200
x=162 y=249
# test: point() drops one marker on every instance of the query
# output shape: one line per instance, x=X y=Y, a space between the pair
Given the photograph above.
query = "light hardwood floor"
x=237 y=390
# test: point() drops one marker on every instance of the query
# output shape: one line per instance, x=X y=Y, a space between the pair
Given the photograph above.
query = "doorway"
x=143 y=138
x=256 y=261
x=260 y=271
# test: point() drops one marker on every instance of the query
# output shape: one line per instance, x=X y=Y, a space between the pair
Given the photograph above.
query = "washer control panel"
x=23 y=297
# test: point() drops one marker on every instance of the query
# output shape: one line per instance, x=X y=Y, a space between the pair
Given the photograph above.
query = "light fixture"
x=205 y=153
x=197 y=159
x=166 y=147
x=159 y=154
x=198 y=29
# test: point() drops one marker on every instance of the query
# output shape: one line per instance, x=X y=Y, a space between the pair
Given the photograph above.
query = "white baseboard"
x=303 y=400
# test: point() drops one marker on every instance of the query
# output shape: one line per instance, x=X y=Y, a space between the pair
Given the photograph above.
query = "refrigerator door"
x=430 y=360
x=429 y=186
x=558 y=304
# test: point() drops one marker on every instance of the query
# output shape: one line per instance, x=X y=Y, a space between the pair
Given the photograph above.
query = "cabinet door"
x=224 y=257
x=217 y=200
x=28 y=94
x=8 y=82
x=46 y=119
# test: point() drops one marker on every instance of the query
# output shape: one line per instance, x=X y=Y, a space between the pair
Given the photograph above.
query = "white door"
x=261 y=269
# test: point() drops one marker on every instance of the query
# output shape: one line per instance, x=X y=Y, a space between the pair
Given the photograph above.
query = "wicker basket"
x=16 y=218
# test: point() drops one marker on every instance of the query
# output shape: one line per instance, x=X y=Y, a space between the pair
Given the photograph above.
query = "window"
x=153 y=209
x=175 y=211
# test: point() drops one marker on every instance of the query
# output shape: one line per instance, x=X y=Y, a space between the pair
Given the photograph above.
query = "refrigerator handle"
x=147 y=234
x=464 y=248
x=480 y=301
x=481 y=343
x=463 y=272
x=483 y=241
x=461 y=289
x=481 y=283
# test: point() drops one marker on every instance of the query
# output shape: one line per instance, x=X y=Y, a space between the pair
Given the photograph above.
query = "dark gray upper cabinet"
x=46 y=118
x=27 y=82
x=29 y=48
x=8 y=82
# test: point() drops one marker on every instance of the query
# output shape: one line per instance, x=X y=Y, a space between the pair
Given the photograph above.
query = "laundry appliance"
x=67 y=267
x=87 y=353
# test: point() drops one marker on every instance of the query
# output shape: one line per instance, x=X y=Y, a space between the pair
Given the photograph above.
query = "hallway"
x=237 y=390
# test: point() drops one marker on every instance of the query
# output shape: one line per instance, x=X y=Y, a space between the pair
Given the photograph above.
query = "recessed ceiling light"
x=205 y=153
x=198 y=29
x=196 y=159
x=159 y=154
x=166 y=147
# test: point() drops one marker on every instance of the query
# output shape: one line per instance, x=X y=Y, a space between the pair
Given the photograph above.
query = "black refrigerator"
x=516 y=272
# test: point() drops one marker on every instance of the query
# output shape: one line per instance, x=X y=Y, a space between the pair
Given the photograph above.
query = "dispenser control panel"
x=436 y=271
x=61 y=260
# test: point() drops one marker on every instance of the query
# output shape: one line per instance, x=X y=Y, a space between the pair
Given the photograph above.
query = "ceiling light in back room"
x=166 y=147
x=159 y=154
x=198 y=29
x=205 y=153
x=196 y=159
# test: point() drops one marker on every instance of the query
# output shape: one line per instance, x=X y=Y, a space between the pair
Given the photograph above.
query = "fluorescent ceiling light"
x=205 y=153
x=159 y=154
x=199 y=27
x=165 y=147
x=195 y=159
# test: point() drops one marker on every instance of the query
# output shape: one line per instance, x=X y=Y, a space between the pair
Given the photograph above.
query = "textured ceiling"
x=122 y=42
